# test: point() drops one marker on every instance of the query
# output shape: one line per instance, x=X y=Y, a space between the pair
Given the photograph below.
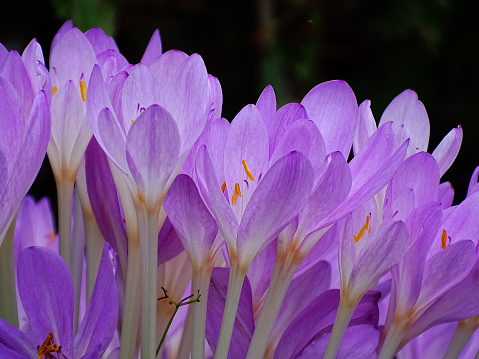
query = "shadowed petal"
x=14 y=344
x=46 y=291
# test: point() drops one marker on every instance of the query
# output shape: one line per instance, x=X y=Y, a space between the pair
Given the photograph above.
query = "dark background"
x=380 y=47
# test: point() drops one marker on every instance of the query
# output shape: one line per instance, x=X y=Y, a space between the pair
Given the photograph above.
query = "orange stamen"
x=247 y=170
x=236 y=193
x=83 y=90
x=48 y=346
x=223 y=187
x=363 y=230
x=444 y=238
x=54 y=90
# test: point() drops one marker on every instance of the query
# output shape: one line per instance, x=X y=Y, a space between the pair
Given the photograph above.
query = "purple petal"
x=446 y=268
x=366 y=126
x=333 y=107
x=112 y=139
x=32 y=56
x=215 y=96
x=360 y=341
x=185 y=98
x=99 y=323
x=46 y=291
x=15 y=72
x=446 y=194
x=446 y=152
x=193 y=222
x=211 y=192
x=381 y=252
x=14 y=344
x=405 y=109
x=317 y=319
x=72 y=57
x=100 y=41
x=473 y=183
x=153 y=50
x=165 y=67
x=284 y=117
x=280 y=195
x=152 y=148
x=244 y=323
x=260 y=271
x=266 y=104
x=169 y=244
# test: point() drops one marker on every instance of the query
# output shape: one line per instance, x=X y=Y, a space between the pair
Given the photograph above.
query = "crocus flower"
x=46 y=290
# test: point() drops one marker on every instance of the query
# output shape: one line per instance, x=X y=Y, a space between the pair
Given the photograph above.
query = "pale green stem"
x=148 y=222
x=94 y=249
x=393 y=339
x=461 y=336
x=201 y=282
x=77 y=255
x=131 y=309
x=65 y=201
x=8 y=295
x=184 y=349
x=343 y=317
x=278 y=287
x=235 y=284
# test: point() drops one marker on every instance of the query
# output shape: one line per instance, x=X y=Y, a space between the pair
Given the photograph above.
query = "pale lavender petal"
x=14 y=344
x=72 y=57
x=185 y=98
x=260 y=270
x=359 y=342
x=210 y=190
x=446 y=268
x=405 y=109
x=473 y=183
x=215 y=134
x=3 y=55
x=302 y=136
x=140 y=91
x=32 y=56
x=111 y=138
x=152 y=149
x=111 y=62
x=67 y=25
x=153 y=50
x=332 y=106
x=366 y=126
x=280 y=195
x=446 y=152
x=193 y=222
x=381 y=252
x=46 y=291
x=284 y=117
x=244 y=323
x=247 y=140
x=99 y=323
x=266 y=104
x=446 y=194
x=100 y=41
x=215 y=95
x=165 y=67
x=97 y=98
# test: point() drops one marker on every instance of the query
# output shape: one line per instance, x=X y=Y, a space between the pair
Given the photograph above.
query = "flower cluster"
x=308 y=231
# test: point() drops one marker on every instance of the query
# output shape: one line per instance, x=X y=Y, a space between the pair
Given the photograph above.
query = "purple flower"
x=46 y=290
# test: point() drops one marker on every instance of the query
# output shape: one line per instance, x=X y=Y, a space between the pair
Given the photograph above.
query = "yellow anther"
x=247 y=170
x=363 y=230
x=236 y=193
x=83 y=90
x=223 y=187
x=444 y=238
x=54 y=90
x=132 y=121
x=48 y=346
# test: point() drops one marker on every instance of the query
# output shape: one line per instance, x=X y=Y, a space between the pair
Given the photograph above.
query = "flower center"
x=48 y=347
x=445 y=239
x=363 y=230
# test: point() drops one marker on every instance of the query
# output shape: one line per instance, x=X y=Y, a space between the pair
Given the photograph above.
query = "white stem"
x=278 y=287
x=235 y=284
x=65 y=201
x=464 y=330
x=148 y=222
x=8 y=295
x=94 y=250
x=343 y=317
x=392 y=340
x=201 y=281
x=77 y=256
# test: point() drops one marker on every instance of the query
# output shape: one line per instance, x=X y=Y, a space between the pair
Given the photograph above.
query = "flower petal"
x=366 y=126
x=152 y=148
x=446 y=152
x=193 y=222
x=46 y=291
x=332 y=106
x=14 y=344
x=153 y=50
